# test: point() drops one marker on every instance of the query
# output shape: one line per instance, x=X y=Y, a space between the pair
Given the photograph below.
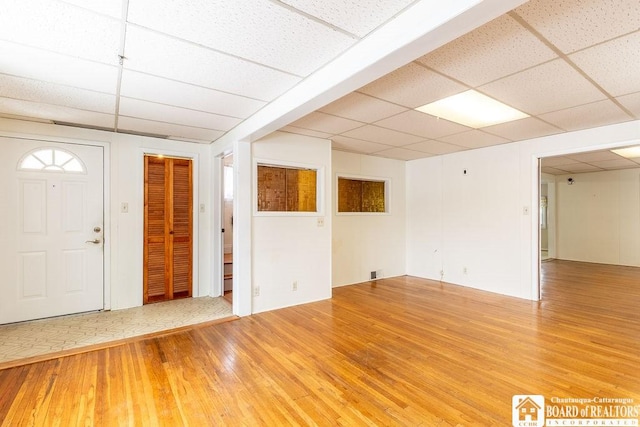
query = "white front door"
x=51 y=229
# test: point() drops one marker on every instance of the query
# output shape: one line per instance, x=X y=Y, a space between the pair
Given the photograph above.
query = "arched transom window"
x=51 y=160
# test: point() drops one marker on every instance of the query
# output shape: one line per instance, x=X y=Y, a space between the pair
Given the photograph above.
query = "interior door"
x=51 y=229
x=168 y=231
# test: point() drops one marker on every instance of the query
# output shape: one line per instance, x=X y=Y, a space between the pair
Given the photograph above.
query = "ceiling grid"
x=197 y=71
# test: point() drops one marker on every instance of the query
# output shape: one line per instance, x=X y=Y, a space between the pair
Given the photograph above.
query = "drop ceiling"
x=593 y=161
x=198 y=70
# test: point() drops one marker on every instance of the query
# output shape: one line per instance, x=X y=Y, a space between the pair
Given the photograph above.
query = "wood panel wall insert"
x=168 y=229
x=361 y=195
x=287 y=189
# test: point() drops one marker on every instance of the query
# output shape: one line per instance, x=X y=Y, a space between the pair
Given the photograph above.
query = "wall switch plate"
x=124 y=207
x=321 y=222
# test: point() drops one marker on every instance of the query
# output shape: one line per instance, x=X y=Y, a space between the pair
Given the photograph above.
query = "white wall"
x=477 y=220
x=599 y=217
x=363 y=243
x=125 y=183
x=128 y=179
x=292 y=246
x=228 y=226
x=551 y=232
x=464 y=218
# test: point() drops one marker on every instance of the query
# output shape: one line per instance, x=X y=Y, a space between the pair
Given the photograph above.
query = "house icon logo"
x=528 y=410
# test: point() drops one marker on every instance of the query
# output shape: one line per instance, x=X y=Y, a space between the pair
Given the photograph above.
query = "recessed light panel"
x=629 y=152
x=472 y=109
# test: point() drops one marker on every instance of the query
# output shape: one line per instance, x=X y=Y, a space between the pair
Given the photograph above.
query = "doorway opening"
x=227 y=228
x=592 y=210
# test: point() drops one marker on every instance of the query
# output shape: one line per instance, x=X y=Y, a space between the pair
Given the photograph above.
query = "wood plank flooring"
x=401 y=351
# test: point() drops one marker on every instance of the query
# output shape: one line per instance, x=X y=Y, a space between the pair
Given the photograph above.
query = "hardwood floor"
x=401 y=351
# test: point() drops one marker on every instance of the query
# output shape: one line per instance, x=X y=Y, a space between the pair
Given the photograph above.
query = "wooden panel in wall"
x=272 y=189
x=306 y=187
x=373 y=196
x=349 y=195
x=282 y=189
x=360 y=195
x=168 y=229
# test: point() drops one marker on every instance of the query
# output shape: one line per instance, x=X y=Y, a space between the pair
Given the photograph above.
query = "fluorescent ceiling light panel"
x=629 y=152
x=472 y=109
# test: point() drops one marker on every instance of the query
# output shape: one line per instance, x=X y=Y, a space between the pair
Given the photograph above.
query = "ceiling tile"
x=552 y=171
x=383 y=136
x=548 y=87
x=258 y=30
x=579 y=167
x=614 y=65
x=573 y=25
x=412 y=86
x=434 y=147
x=307 y=132
x=326 y=123
x=557 y=161
x=631 y=102
x=163 y=91
x=520 y=130
x=358 y=17
x=61 y=28
x=166 y=129
x=497 y=49
x=357 y=106
x=58 y=113
x=148 y=52
x=587 y=116
x=474 y=139
x=106 y=7
x=51 y=67
x=344 y=143
x=593 y=156
x=615 y=164
x=54 y=94
x=402 y=154
x=169 y=114
x=421 y=124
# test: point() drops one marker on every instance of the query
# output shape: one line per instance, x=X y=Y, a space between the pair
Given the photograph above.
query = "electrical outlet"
x=294 y=286
x=321 y=222
x=464 y=270
x=256 y=292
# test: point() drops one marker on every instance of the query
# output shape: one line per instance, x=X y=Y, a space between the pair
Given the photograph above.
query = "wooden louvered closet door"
x=168 y=235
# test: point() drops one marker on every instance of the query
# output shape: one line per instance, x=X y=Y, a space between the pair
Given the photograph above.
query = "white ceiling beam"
x=422 y=28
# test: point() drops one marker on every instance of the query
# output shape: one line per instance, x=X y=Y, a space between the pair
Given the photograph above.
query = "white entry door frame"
x=54 y=243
